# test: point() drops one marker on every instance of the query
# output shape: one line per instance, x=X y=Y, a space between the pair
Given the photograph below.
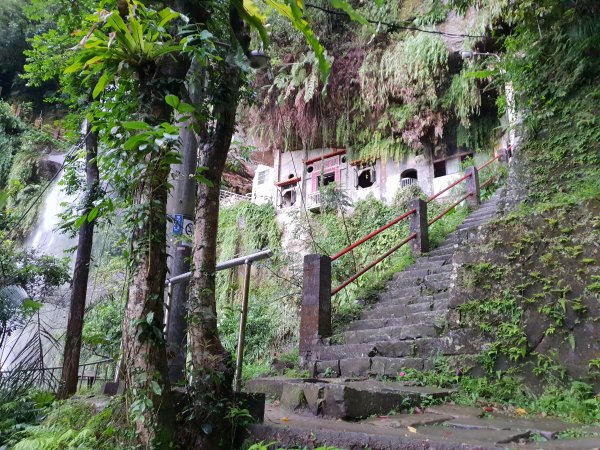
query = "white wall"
x=387 y=178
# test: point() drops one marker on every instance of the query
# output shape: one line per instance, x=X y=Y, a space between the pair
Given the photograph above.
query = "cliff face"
x=532 y=281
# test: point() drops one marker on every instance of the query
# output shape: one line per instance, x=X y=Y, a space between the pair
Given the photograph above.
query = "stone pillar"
x=472 y=185
x=315 y=313
x=418 y=225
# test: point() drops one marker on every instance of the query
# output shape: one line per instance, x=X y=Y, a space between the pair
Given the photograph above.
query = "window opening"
x=366 y=178
x=439 y=169
x=408 y=178
x=288 y=198
x=262 y=176
x=463 y=158
x=324 y=180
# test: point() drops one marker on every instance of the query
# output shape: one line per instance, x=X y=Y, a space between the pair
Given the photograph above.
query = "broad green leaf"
x=352 y=13
x=101 y=84
x=135 y=125
x=80 y=221
x=156 y=387
x=31 y=306
x=252 y=15
x=185 y=108
x=172 y=101
x=295 y=15
x=166 y=16
x=92 y=214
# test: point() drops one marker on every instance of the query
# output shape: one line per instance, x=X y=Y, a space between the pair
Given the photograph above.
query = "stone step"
x=395 y=298
x=462 y=344
x=394 y=349
x=397 y=333
x=444 y=249
x=424 y=317
x=378 y=366
x=344 y=399
x=400 y=292
x=413 y=281
x=434 y=259
x=472 y=224
x=448 y=252
x=417 y=271
x=392 y=310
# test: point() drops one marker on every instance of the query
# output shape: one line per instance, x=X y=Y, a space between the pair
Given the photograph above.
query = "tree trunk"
x=211 y=363
x=143 y=339
x=72 y=350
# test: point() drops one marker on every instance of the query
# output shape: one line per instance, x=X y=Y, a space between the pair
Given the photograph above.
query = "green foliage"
x=464 y=97
x=102 y=327
x=75 y=425
x=11 y=135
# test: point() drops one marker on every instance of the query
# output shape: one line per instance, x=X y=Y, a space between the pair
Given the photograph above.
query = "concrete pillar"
x=315 y=313
x=418 y=225
x=472 y=185
x=181 y=203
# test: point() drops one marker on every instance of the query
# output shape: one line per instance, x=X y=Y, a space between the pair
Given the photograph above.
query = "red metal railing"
x=373 y=264
x=447 y=210
x=447 y=188
x=373 y=234
x=404 y=216
x=328 y=155
x=498 y=156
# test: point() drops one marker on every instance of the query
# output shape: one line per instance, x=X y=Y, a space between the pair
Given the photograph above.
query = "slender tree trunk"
x=144 y=349
x=72 y=350
x=144 y=344
x=208 y=355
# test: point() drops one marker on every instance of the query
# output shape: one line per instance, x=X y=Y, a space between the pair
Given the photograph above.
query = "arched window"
x=365 y=177
x=408 y=178
x=288 y=197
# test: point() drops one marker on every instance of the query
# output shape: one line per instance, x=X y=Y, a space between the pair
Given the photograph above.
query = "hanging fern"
x=464 y=97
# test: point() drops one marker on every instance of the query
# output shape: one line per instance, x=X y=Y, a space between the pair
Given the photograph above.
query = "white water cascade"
x=45 y=238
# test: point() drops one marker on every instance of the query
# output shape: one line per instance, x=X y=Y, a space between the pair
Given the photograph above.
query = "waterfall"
x=44 y=238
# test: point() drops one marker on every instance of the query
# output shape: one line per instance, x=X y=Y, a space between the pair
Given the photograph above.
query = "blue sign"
x=178 y=224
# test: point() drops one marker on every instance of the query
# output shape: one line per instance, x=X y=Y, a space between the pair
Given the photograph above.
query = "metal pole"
x=168 y=307
x=237 y=384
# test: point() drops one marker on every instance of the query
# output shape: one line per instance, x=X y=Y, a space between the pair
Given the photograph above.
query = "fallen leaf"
x=520 y=412
x=412 y=429
x=488 y=409
x=284 y=419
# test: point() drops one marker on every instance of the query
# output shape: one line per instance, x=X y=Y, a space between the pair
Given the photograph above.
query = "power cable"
x=394 y=26
x=77 y=146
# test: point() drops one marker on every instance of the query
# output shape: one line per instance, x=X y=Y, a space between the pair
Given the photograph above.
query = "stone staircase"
x=407 y=325
x=405 y=328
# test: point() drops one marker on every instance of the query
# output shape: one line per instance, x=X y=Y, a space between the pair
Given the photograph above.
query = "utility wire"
x=394 y=26
x=77 y=146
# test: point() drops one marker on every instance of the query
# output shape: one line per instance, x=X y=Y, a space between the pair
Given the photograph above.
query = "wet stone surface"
x=439 y=427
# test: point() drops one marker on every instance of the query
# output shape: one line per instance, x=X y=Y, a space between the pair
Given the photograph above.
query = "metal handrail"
x=447 y=188
x=43 y=369
x=447 y=210
x=373 y=264
x=403 y=216
x=498 y=156
x=489 y=180
x=373 y=234
x=242 y=260
x=263 y=254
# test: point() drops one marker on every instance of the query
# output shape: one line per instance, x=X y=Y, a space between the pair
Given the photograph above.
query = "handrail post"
x=239 y=360
x=315 y=313
x=472 y=185
x=418 y=225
